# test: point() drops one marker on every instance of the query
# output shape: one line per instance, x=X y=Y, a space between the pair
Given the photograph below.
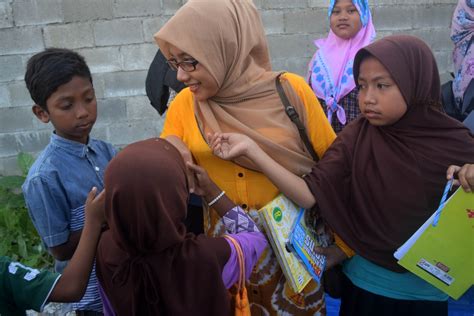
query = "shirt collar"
x=73 y=147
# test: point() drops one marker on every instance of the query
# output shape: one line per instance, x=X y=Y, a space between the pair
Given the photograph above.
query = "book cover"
x=443 y=255
x=278 y=218
x=304 y=240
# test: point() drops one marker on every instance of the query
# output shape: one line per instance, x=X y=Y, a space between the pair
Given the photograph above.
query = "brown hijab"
x=376 y=185
x=146 y=263
x=232 y=46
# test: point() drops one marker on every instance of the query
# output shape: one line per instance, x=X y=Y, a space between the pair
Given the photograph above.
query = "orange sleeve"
x=175 y=120
x=319 y=130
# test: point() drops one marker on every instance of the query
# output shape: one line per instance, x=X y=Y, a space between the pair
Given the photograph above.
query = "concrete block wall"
x=116 y=38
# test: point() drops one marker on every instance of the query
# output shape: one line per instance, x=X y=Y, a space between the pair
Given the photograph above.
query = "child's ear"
x=40 y=113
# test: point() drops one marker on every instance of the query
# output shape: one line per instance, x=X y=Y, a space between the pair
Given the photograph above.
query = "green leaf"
x=24 y=162
x=11 y=182
x=22 y=248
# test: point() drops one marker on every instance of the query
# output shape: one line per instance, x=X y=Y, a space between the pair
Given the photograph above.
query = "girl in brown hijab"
x=146 y=263
x=382 y=177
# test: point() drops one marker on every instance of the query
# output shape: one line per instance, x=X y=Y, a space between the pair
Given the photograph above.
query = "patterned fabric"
x=462 y=29
x=236 y=221
x=267 y=289
x=330 y=70
x=350 y=105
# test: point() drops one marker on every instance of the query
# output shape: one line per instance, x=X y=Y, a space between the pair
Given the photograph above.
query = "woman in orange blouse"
x=225 y=64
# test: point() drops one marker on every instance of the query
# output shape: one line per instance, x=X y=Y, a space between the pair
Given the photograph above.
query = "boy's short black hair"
x=51 y=68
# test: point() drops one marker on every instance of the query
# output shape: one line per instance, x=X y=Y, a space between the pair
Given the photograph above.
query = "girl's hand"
x=203 y=185
x=95 y=208
x=228 y=146
x=186 y=155
x=334 y=255
x=465 y=176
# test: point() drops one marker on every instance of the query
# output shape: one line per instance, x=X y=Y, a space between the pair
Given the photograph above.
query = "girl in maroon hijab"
x=381 y=178
x=146 y=263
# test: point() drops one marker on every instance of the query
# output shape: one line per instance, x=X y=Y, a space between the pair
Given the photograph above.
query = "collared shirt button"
x=97 y=168
x=240 y=174
x=244 y=206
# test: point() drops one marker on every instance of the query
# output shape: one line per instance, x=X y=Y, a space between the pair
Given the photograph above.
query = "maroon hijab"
x=376 y=185
x=146 y=263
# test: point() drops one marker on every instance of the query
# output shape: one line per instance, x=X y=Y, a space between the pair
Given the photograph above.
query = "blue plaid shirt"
x=55 y=192
x=351 y=107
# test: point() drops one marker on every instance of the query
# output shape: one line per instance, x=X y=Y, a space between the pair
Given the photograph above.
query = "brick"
x=102 y=59
x=171 y=6
x=17 y=119
x=86 y=10
x=273 y=21
x=122 y=84
x=111 y=110
x=19 y=95
x=151 y=26
x=127 y=8
x=72 y=36
x=138 y=57
x=438 y=16
x=282 y=46
x=302 y=21
x=118 y=32
x=4 y=98
x=34 y=12
x=393 y=18
x=12 y=68
x=140 y=108
x=34 y=141
x=21 y=40
x=6 y=15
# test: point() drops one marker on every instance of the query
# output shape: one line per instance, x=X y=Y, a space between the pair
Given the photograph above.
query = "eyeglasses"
x=186 y=65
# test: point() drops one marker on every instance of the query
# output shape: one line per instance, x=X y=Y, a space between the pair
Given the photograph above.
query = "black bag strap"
x=295 y=118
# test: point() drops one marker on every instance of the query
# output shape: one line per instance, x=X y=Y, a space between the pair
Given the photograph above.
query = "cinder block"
x=437 y=40
x=19 y=95
x=102 y=59
x=111 y=110
x=171 y=6
x=273 y=21
x=86 y=10
x=127 y=8
x=298 y=66
x=34 y=12
x=437 y=16
x=21 y=40
x=140 y=108
x=4 y=98
x=12 y=68
x=9 y=166
x=393 y=18
x=286 y=46
x=8 y=144
x=284 y=4
x=99 y=132
x=318 y=4
x=6 y=15
x=123 y=134
x=303 y=21
x=138 y=57
x=17 y=119
x=151 y=26
x=99 y=85
x=122 y=84
x=34 y=141
x=442 y=61
x=72 y=36
x=118 y=32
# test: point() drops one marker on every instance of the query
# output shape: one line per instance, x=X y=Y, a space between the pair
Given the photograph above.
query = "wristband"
x=216 y=199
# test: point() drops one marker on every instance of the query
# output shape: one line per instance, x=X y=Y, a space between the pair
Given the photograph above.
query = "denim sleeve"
x=49 y=210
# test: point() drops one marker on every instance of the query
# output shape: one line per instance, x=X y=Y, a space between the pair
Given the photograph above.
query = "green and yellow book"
x=443 y=254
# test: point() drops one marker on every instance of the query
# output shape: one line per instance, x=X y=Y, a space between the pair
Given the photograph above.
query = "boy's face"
x=345 y=19
x=380 y=100
x=72 y=109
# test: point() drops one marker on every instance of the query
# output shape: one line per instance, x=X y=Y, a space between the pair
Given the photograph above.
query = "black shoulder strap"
x=295 y=118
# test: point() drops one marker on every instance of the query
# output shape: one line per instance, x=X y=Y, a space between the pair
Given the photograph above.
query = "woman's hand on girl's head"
x=465 y=176
x=230 y=145
x=95 y=207
x=187 y=157
x=203 y=185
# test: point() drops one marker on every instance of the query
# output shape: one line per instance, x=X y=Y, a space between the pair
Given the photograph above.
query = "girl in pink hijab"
x=330 y=70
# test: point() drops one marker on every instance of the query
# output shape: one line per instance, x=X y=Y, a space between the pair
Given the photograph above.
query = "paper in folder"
x=443 y=255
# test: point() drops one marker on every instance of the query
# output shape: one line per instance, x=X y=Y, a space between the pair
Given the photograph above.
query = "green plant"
x=18 y=237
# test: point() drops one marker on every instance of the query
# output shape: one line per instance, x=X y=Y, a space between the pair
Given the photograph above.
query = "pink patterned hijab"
x=330 y=70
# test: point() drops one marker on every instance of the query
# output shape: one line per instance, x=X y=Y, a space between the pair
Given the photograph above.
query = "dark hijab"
x=146 y=263
x=376 y=185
